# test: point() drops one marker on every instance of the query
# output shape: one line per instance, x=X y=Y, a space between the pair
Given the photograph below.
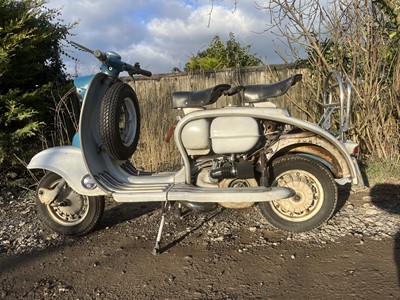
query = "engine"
x=226 y=152
x=225 y=170
x=228 y=147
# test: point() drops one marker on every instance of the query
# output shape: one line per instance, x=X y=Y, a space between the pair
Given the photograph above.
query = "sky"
x=161 y=34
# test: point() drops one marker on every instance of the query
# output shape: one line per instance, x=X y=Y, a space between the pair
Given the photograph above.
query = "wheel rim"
x=127 y=122
x=307 y=201
x=75 y=210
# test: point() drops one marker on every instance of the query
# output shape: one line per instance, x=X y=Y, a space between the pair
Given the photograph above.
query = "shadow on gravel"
x=125 y=212
x=24 y=260
x=343 y=196
x=190 y=232
x=387 y=197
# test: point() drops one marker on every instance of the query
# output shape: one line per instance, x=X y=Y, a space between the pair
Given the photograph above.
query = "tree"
x=394 y=6
x=219 y=55
x=30 y=50
x=30 y=65
x=359 y=38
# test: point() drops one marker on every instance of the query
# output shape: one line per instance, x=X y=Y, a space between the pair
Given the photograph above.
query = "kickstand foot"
x=179 y=210
x=165 y=209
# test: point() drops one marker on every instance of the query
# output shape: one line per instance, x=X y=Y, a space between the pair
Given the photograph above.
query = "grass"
x=379 y=171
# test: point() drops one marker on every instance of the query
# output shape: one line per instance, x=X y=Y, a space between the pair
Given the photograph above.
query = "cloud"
x=162 y=34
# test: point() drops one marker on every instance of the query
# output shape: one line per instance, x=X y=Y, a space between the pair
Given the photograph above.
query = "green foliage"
x=219 y=55
x=30 y=65
x=380 y=171
x=30 y=38
x=391 y=24
x=18 y=119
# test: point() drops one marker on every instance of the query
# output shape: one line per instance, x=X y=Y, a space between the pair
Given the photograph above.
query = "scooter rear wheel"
x=120 y=121
x=70 y=214
x=315 y=199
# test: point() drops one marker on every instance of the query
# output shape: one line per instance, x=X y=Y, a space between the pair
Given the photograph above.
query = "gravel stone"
x=22 y=231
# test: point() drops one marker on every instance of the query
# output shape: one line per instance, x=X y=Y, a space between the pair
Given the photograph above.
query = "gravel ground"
x=370 y=213
x=225 y=254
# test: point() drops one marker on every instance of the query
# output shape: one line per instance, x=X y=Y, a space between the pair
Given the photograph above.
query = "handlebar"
x=112 y=59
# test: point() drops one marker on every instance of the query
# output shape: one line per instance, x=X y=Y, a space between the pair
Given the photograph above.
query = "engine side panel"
x=234 y=134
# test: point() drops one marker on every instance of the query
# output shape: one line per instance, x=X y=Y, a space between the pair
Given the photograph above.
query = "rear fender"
x=66 y=161
x=320 y=148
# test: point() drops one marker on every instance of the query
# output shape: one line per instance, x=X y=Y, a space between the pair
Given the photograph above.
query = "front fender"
x=66 y=161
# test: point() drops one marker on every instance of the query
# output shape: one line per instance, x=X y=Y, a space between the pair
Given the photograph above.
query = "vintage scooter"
x=235 y=156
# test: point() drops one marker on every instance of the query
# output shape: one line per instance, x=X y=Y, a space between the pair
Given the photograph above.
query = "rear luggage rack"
x=343 y=105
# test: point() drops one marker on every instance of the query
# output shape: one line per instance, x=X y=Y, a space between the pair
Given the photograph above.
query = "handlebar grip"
x=135 y=70
x=145 y=73
x=100 y=55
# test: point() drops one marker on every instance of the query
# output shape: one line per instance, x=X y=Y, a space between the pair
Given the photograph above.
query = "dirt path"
x=107 y=266
x=202 y=259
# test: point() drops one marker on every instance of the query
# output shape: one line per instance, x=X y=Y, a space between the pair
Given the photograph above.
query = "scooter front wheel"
x=315 y=196
x=70 y=213
x=120 y=121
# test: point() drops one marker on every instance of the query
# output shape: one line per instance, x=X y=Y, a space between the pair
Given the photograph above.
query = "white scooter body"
x=121 y=180
x=230 y=156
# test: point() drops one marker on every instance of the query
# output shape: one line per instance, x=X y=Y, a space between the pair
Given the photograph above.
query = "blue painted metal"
x=81 y=84
x=113 y=65
x=76 y=142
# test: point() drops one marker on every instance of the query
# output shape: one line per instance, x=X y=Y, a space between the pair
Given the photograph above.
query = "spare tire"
x=120 y=121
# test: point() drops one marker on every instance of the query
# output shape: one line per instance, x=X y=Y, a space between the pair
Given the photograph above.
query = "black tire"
x=316 y=194
x=120 y=107
x=79 y=214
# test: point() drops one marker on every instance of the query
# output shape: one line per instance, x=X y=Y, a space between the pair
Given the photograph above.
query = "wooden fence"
x=158 y=88
x=155 y=103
